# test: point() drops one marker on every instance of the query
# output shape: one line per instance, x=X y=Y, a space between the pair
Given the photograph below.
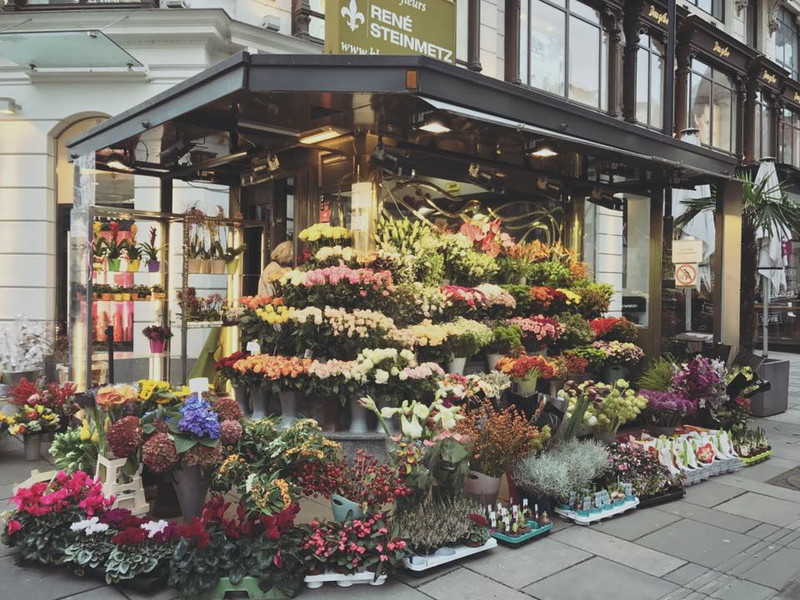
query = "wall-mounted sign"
x=687 y=251
x=723 y=51
x=426 y=27
x=769 y=77
x=686 y=275
x=660 y=17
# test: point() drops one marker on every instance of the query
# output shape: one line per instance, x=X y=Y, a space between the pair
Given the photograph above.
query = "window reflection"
x=712 y=105
x=565 y=50
x=762 y=140
x=649 y=82
x=789 y=149
x=786 y=41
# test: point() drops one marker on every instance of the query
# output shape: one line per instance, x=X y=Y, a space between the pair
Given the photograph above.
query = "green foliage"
x=568 y=467
x=595 y=298
x=577 y=331
x=448 y=464
x=553 y=273
x=90 y=551
x=658 y=374
x=522 y=296
x=434 y=524
x=72 y=454
x=44 y=538
x=256 y=556
x=126 y=562
x=511 y=270
x=193 y=570
x=505 y=339
x=596 y=358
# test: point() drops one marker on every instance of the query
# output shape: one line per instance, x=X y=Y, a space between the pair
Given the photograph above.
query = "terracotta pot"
x=106 y=296
x=482 y=487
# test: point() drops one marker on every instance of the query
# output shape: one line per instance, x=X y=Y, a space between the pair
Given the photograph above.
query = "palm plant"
x=766 y=207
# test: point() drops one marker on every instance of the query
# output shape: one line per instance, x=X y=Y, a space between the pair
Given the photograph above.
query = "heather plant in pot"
x=436 y=524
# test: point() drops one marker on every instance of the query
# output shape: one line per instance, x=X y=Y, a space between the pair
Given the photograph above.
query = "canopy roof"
x=218 y=121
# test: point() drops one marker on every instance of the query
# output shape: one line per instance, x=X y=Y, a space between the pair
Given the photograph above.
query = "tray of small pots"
x=423 y=562
x=585 y=508
x=342 y=580
x=519 y=524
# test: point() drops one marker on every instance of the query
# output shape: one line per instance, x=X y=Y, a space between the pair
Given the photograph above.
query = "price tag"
x=198 y=385
x=253 y=347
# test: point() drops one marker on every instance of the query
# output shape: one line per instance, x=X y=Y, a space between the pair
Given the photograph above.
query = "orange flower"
x=115 y=395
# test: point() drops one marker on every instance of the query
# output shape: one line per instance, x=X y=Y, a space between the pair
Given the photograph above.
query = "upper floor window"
x=649 y=82
x=762 y=139
x=716 y=8
x=789 y=147
x=564 y=50
x=712 y=106
x=786 y=40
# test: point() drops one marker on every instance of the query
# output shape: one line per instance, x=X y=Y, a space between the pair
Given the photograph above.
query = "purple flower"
x=198 y=418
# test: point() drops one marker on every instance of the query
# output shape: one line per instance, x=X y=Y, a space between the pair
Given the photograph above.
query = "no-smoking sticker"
x=686 y=275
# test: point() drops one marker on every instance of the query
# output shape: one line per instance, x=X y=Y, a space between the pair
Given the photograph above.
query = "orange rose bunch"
x=526 y=365
x=112 y=396
x=283 y=371
x=254 y=302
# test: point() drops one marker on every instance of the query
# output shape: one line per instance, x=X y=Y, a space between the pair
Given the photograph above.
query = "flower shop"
x=431 y=377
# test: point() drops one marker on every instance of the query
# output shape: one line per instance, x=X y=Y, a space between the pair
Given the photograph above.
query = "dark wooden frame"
x=766 y=77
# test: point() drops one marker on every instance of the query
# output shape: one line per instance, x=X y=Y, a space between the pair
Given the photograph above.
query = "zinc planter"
x=344 y=509
x=527 y=387
x=776 y=399
x=482 y=487
x=456 y=366
x=612 y=373
x=242 y=399
x=259 y=397
x=288 y=408
x=12 y=378
x=358 y=417
x=33 y=446
x=492 y=360
x=191 y=486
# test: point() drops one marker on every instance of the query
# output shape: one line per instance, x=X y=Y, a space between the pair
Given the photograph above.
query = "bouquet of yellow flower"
x=30 y=420
x=323 y=234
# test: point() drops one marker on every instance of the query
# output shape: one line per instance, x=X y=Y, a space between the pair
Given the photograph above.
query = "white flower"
x=248 y=485
x=411 y=428
x=89 y=526
x=381 y=376
x=154 y=527
x=420 y=410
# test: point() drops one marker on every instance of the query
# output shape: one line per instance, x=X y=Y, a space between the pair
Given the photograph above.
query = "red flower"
x=130 y=536
x=13 y=527
x=478 y=519
x=277 y=560
x=196 y=532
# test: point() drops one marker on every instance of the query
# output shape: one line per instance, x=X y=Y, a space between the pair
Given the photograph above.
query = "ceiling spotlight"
x=323 y=134
x=175 y=152
x=8 y=106
x=542 y=149
x=432 y=122
x=266 y=161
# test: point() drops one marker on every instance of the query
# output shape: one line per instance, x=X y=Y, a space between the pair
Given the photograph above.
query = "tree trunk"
x=748 y=319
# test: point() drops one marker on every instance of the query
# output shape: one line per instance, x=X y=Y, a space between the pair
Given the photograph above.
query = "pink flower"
x=13 y=526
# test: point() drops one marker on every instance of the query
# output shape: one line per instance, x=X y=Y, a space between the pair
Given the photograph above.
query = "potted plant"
x=465 y=338
x=158 y=292
x=363 y=488
x=133 y=251
x=620 y=357
x=158 y=336
x=525 y=370
x=217 y=258
x=152 y=252
x=98 y=290
x=98 y=251
x=538 y=332
x=608 y=406
x=114 y=247
x=116 y=292
x=125 y=292
x=31 y=422
x=500 y=438
x=506 y=339
x=665 y=411
x=231 y=257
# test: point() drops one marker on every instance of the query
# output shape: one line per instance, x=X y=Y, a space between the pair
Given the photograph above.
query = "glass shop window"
x=762 y=140
x=789 y=140
x=786 y=41
x=649 y=82
x=564 y=50
x=712 y=106
x=715 y=8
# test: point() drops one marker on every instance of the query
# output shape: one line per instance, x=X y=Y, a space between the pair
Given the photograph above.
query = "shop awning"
x=251 y=101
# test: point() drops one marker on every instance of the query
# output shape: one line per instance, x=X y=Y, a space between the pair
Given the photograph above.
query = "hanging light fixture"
x=323 y=134
x=432 y=122
x=542 y=149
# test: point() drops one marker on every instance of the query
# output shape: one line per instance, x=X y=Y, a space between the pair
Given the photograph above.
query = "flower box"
x=749 y=461
x=317 y=581
x=582 y=519
x=515 y=540
x=444 y=555
x=662 y=498
x=146 y=583
x=247 y=586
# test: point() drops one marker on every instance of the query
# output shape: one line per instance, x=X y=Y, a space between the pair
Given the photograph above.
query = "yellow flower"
x=85 y=433
x=284 y=489
x=95 y=438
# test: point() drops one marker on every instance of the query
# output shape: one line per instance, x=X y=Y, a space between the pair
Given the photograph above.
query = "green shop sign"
x=426 y=27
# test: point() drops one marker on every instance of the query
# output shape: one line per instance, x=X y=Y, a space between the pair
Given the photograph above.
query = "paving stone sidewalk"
x=731 y=538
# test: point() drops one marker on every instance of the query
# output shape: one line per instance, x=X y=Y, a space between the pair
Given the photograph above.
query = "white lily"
x=411 y=428
x=421 y=411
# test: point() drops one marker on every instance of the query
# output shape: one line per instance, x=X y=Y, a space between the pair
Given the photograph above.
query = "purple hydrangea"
x=198 y=418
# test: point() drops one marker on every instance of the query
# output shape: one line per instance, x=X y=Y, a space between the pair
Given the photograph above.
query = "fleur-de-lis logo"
x=353 y=16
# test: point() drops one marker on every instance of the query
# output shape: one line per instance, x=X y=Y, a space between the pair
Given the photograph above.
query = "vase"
x=358 y=417
x=191 y=486
x=344 y=509
x=157 y=346
x=242 y=399
x=456 y=365
x=481 y=487
x=205 y=267
x=232 y=266
x=193 y=265
x=33 y=446
x=288 y=408
x=113 y=264
x=12 y=378
x=260 y=400
x=218 y=266
x=613 y=372
x=527 y=387
x=492 y=360
x=133 y=265
x=153 y=266
x=330 y=411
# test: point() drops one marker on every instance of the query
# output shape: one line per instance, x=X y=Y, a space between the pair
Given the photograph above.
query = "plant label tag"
x=253 y=347
x=198 y=385
x=308 y=353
